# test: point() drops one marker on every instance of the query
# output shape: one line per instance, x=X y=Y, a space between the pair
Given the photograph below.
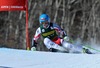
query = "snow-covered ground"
x=12 y=58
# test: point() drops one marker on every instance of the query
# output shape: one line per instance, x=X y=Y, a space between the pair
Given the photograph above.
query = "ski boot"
x=53 y=50
x=87 y=51
x=56 y=50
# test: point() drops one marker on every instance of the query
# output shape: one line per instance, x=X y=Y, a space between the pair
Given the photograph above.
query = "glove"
x=33 y=48
x=34 y=45
x=66 y=38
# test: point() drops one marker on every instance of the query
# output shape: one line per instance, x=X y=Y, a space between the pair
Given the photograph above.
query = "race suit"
x=51 y=38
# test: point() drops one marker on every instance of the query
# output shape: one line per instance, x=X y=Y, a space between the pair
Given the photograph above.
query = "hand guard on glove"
x=33 y=48
x=66 y=38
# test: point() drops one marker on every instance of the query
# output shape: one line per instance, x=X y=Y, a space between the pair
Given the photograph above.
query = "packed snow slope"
x=13 y=58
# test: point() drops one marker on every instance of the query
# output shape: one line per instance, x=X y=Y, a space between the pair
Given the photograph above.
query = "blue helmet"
x=44 y=18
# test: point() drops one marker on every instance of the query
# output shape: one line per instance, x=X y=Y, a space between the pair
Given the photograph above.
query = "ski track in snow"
x=13 y=58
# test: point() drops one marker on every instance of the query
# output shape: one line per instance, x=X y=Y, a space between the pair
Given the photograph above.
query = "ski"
x=91 y=49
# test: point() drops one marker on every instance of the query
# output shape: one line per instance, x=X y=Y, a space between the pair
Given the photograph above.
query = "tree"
x=79 y=18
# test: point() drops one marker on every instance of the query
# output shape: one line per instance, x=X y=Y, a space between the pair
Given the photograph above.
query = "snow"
x=13 y=58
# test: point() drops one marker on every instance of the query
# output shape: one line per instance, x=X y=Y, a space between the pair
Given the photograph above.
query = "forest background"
x=79 y=18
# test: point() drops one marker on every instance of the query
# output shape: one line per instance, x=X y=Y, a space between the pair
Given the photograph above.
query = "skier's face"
x=45 y=24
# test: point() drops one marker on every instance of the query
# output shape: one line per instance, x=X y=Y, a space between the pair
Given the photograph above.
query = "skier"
x=48 y=30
